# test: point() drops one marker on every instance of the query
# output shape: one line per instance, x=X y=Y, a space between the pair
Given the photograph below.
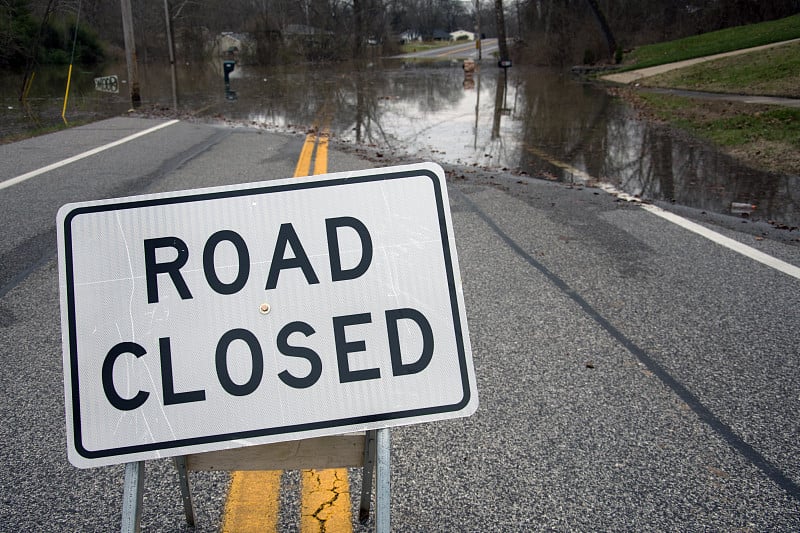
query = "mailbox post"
x=228 y=64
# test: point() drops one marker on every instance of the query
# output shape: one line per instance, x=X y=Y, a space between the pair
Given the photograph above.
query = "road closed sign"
x=218 y=318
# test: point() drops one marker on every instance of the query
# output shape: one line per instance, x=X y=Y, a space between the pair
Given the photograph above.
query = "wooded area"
x=553 y=32
x=567 y=32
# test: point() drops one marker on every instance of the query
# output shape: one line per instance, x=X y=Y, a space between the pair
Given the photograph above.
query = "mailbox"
x=227 y=67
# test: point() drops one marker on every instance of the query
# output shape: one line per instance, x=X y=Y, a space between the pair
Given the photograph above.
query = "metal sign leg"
x=377 y=463
x=132 y=497
x=367 y=474
x=186 y=492
x=383 y=482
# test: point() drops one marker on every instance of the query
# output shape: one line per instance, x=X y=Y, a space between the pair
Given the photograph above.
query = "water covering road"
x=533 y=120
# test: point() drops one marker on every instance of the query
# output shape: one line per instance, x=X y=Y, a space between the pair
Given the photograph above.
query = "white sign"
x=107 y=84
x=225 y=317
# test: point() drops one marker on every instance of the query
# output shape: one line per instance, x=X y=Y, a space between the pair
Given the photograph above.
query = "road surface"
x=466 y=50
x=637 y=370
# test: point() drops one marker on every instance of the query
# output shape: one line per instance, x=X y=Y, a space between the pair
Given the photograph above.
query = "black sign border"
x=265 y=432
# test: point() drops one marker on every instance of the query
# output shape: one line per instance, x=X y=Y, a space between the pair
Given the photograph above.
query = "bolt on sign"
x=225 y=317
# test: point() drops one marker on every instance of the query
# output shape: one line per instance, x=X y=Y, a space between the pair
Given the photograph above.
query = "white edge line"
x=729 y=243
x=93 y=151
x=713 y=236
x=736 y=246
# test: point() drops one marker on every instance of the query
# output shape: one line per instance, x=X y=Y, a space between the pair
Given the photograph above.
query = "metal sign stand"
x=365 y=450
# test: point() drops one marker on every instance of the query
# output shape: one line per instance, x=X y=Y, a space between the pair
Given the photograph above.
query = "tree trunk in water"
x=601 y=19
x=500 y=21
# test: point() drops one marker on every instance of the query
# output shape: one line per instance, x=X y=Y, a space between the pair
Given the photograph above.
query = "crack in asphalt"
x=330 y=495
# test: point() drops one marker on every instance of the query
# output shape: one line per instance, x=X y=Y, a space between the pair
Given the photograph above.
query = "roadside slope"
x=631 y=76
x=743 y=101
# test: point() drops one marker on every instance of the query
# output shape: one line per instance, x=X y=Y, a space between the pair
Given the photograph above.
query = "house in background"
x=440 y=35
x=462 y=35
x=228 y=41
x=410 y=36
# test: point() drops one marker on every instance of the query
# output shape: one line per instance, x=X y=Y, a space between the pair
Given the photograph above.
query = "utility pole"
x=478 y=28
x=358 y=44
x=171 y=47
x=130 y=53
x=500 y=21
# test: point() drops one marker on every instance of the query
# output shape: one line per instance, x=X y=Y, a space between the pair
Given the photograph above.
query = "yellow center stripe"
x=253 y=497
x=325 y=494
x=325 y=501
x=252 y=503
x=320 y=142
x=303 y=167
x=321 y=163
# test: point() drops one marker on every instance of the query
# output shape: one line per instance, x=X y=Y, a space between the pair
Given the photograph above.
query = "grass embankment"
x=30 y=132
x=762 y=136
x=772 y=72
x=716 y=42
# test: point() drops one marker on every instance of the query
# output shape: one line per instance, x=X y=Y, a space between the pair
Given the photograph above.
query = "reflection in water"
x=645 y=159
x=536 y=120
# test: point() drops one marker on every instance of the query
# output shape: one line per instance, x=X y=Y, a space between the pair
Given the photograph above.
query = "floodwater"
x=538 y=121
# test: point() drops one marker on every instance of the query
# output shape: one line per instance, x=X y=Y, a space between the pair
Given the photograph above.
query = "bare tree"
x=606 y=29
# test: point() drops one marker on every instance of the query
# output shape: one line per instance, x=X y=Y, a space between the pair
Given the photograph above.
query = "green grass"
x=36 y=131
x=762 y=136
x=673 y=109
x=410 y=48
x=714 y=43
x=778 y=125
x=30 y=133
x=773 y=72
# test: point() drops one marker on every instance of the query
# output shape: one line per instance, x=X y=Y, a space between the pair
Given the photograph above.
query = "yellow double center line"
x=254 y=496
x=320 y=142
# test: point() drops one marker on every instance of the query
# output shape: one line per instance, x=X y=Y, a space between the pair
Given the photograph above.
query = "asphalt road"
x=633 y=375
x=465 y=50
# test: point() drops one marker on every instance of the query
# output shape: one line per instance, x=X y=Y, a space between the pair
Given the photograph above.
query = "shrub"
x=17 y=32
x=58 y=41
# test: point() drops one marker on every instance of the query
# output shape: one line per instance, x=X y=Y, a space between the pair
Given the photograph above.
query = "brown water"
x=539 y=121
